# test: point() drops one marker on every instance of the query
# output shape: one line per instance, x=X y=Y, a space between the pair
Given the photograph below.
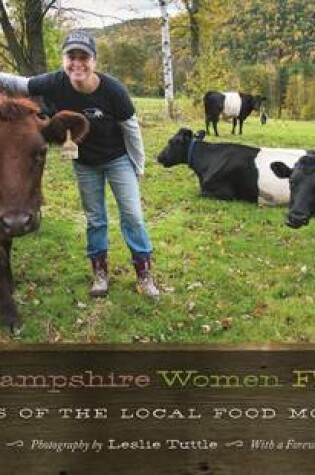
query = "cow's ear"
x=281 y=169
x=200 y=135
x=55 y=129
x=185 y=134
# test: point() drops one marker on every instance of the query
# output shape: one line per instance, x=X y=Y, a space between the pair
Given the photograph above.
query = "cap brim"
x=80 y=47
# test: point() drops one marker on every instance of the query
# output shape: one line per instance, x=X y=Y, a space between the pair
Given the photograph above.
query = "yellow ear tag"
x=69 y=150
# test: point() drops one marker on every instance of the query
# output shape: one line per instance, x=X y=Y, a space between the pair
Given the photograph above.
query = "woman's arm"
x=14 y=84
x=134 y=143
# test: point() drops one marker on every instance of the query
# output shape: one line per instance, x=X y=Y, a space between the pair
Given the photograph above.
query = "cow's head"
x=24 y=138
x=176 y=151
x=302 y=189
x=257 y=101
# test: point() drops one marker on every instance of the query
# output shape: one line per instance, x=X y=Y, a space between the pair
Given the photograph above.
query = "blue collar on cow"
x=190 y=152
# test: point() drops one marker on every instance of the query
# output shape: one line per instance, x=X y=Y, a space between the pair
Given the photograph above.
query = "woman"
x=111 y=152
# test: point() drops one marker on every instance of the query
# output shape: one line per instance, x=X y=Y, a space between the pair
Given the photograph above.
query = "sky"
x=113 y=10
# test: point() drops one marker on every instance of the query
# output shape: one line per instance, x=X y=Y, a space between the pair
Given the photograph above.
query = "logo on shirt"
x=93 y=113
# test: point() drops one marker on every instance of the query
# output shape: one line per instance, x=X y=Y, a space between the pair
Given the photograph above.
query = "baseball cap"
x=79 y=40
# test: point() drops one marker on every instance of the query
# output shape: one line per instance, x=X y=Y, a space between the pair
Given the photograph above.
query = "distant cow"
x=229 y=171
x=302 y=188
x=230 y=104
x=24 y=138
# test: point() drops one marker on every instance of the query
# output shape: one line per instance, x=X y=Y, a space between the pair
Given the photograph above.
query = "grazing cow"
x=230 y=104
x=24 y=137
x=230 y=171
x=302 y=188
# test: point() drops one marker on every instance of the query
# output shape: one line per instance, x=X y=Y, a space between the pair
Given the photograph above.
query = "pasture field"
x=228 y=271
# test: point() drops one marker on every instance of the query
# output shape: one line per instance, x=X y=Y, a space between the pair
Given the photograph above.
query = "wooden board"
x=177 y=410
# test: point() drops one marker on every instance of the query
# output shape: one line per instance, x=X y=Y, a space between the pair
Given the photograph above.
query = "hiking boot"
x=146 y=286
x=101 y=279
x=145 y=283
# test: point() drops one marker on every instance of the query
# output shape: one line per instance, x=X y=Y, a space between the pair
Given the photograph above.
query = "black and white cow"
x=230 y=171
x=302 y=188
x=237 y=105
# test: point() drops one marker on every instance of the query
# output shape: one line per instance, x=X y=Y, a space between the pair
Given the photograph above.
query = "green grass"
x=228 y=272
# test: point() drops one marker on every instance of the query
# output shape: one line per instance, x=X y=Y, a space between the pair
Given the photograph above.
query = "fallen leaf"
x=194 y=285
x=226 y=323
x=206 y=328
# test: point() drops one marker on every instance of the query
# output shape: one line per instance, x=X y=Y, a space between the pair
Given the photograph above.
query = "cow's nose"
x=16 y=224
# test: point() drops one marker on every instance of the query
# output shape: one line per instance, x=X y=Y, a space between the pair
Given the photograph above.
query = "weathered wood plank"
x=72 y=410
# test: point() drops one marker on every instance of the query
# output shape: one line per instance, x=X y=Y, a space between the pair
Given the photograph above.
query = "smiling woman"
x=111 y=152
x=79 y=62
x=78 y=65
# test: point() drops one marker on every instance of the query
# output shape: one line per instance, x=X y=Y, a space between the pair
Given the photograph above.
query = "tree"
x=212 y=71
x=128 y=65
x=192 y=8
x=24 y=23
x=152 y=77
x=22 y=26
x=167 y=60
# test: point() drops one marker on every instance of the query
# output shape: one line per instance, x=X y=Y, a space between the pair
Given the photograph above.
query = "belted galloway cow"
x=23 y=145
x=302 y=188
x=237 y=105
x=230 y=171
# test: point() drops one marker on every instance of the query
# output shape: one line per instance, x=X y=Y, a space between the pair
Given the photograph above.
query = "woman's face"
x=78 y=65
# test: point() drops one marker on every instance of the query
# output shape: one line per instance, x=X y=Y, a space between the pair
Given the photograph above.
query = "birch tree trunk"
x=167 y=61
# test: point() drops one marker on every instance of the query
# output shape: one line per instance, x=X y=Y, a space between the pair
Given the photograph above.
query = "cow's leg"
x=234 y=125
x=241 y=127
x=226 y=193
x=215 y=127
x=8 y=309
x=207 y=126
x=7 y=244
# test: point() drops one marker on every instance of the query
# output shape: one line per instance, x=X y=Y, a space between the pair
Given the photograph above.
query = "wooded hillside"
x=261 y=47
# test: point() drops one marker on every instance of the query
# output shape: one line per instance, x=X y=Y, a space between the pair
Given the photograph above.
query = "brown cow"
x=23 y=146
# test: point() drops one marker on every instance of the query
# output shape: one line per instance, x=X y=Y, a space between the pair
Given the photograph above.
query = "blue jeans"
x=121 y=176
